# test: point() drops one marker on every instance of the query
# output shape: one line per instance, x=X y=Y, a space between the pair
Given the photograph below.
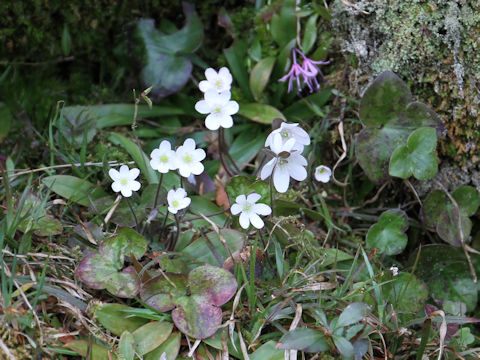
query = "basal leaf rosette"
x=194 y=300
x=103 y=269
x=389 y=116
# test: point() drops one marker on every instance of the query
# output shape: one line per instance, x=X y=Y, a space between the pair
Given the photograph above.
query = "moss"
x=433 y=45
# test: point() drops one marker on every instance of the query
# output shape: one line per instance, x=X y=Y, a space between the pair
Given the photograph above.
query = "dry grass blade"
x=232 y=316
x=6 y=350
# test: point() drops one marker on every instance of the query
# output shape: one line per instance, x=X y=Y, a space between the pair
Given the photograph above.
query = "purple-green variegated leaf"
x=215 y=284
x=124 y=284
x=161 y=293
x=196 y=317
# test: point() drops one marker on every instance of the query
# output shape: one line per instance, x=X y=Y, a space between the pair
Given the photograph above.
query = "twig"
x=409 y=184
x=344 y=144
x=112 y=210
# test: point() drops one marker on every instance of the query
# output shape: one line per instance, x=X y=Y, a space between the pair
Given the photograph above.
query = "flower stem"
x=272 y=194
x=133 y=213
x=177 y=234
x=158 y=191
x=222 y=150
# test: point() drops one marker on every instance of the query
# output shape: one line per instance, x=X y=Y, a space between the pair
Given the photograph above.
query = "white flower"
x=290 y=131
x=188 y=158
x=163 y=158
x=323 y=173
x=124 y=180
x=287 y=164
x=219 y=82
x=248 y=209
x=394 y=270
x=177 y=200
x=219 y=109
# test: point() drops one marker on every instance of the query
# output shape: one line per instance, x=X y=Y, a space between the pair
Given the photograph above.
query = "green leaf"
x=151 y=335
x=170 y=347
x=115 y=318
x=447 y=274
x=440 y=213
x=142 y=160
x=97 y=352
x=260 y=75
x=303 y=339
x=268 y=351
x=388 y=234
x=417 y=158
x=126 y=346
x=344 y=346
x=406 y=293
x=34 y=216
x=100 y=270
x=107 y=115
x=5 y=120
x=352 y=314
x=284 y=24
x=310 y=35
x=201 y=205
x=235 y=56
x=165 y=65
x=242 y=185
x=306 y=108
x=66 y=41
x=389 y=117
x=195 y=301
x=261 y=113
x=74 y=189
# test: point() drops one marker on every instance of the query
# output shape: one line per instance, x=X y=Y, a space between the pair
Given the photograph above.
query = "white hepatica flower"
x=189 y=159
x=323 y=173
x=290 y=131
x=285 y=165
x=249 y=210
x=124 y=180
x=163 y=159
x=177 y=200
x=219 y=108
x=219 y=82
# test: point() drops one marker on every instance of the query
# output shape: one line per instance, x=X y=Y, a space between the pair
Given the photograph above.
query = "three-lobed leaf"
x=417 y=158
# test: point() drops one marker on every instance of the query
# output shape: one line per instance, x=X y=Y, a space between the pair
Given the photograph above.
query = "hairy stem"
x=158 y=191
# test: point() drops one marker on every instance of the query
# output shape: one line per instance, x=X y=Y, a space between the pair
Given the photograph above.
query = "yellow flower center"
x=188 y=159
x=163 y=158
x=175 y=203
x=218 y=83
x=248 y=207
x=124 y=181
x=282 y=162
x=285 y=134
x=322 y=171
x=218 y=109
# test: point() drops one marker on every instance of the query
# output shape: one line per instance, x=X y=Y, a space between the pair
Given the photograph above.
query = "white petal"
x=225 y=75
x=133 y=174
x=226 y=121
x=172 y=210
x=126 y=192
x=124 y=170
x=298 y=159
x=135 y=185
x=189 y=144
x=165 y=146
x=199 y=154
x=114 y=174
x=297 y=171
x=288 y=145
x=262 y=209
x=170 y=195
x=184 y=170
x=241 y=200
x=162 y=167
x=256 y=221
x=235 y=209
x=184 y=203
x=202 y=107
x=204 y=85
x=180 y=193
x=277 y=143
x=231 y=108
x=224 y=97
x=212 y=122
x=244 y=220
x=196 y=168
x=116 y=186
x=269 y=140
x=211 y=75
x=253 y=197
x=267 y=169
x=156 y=153
x=211 y=97
x=301 y=135
x=281 y=179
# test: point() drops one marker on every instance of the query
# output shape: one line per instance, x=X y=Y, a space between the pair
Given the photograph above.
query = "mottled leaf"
x=160 y=291
x=388 y=234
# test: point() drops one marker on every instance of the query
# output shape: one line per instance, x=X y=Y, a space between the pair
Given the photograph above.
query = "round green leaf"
x=388 y=234
x=136 y=243
x=242 y=185
x=467 y=198
x=161 y=291
x=261 y=113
